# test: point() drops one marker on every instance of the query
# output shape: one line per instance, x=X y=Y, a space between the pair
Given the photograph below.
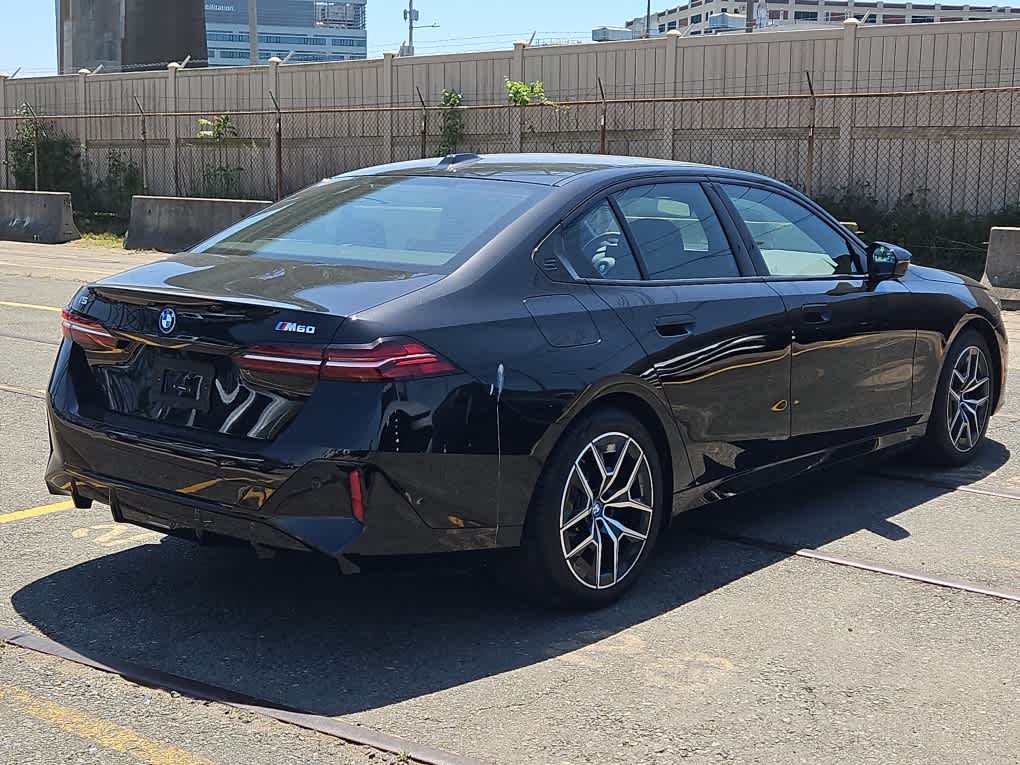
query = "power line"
x=461 y=43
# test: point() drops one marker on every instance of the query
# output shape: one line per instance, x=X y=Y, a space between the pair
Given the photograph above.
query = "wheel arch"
x=983 y=325
x=645 y=403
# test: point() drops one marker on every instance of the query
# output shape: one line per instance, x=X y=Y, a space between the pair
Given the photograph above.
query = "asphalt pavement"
x=730 y=648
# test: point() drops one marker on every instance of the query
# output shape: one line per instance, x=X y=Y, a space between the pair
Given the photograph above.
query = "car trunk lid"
x=177 y=327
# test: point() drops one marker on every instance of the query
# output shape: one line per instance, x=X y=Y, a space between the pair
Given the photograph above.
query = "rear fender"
x=624 y=391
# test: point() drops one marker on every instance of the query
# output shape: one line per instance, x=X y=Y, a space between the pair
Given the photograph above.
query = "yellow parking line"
x=35 y=512
x=108 y=735
x=10 y=304
x=34 y=392
x=1005 y=563
x=39 y=268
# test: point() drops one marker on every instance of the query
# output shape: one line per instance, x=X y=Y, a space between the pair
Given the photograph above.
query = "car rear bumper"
x=192 y=494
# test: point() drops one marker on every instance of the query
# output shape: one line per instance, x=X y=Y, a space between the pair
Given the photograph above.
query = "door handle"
x=816 y=314
x=674 y=326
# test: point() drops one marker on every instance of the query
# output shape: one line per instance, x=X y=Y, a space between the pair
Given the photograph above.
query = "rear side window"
x=596 y=247
x=677 y=232
x=418 y=223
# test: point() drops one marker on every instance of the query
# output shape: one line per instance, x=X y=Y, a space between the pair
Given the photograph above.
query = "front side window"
x=792 y=239
x=421 y=224
x=677 y=232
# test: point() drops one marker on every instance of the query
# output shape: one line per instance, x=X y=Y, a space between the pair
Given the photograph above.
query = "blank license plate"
x=184 y=384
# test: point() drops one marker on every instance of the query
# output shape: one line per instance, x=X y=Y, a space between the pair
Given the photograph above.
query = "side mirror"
x=887 y=261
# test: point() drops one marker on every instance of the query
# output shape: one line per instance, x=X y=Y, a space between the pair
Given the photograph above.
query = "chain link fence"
x=959 y=148
x=923 y=156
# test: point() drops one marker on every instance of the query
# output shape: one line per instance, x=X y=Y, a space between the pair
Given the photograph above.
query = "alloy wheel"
x=970 y=387
x=607 y=510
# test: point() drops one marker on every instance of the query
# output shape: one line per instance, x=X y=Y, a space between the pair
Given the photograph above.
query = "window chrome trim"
x=675 y=282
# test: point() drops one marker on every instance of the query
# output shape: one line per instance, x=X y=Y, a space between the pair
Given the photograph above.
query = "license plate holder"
x=183 y=384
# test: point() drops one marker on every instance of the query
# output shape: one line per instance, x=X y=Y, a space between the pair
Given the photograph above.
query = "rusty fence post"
x=424 y=124
x=4 y=158
x=145 y=146
x=809 y=181
x=602 y=120
x=172 y=126
x=387 y=104
x=35 y=142
x=278 y=146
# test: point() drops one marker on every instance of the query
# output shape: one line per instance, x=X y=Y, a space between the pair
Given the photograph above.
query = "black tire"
x=939 y=445
x=541 y=570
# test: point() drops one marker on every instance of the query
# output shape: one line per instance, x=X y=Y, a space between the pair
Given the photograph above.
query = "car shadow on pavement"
x=291 y=631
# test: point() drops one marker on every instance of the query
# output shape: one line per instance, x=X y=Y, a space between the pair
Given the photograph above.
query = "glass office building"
x=305 y=30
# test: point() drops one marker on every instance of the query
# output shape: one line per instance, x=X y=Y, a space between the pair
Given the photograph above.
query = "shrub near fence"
x=956 y=241
x=44 y=157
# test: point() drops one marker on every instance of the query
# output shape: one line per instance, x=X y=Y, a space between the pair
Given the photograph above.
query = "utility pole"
x=410 y=16
x=253 y=31
x=648 y=19
x=749 y=23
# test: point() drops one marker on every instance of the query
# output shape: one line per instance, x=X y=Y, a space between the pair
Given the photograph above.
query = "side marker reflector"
x=357 y=502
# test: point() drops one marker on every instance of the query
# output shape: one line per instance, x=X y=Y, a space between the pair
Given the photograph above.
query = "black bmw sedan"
x=552 y=353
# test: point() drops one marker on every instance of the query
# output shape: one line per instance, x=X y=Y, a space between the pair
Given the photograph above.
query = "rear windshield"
x=421 y=224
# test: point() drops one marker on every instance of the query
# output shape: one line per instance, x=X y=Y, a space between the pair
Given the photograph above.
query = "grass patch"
x=101 y=230
x=102 y=239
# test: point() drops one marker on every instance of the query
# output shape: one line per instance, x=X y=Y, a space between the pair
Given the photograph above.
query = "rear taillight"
x=86 y=332
x=390 y=359
x=289 y=360
x=382 y=360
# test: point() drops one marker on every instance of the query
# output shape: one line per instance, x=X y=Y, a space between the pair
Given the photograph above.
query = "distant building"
x=727 y=22
x=608 y=34
x=695 y=16
x=148 y=34
x=128 y=34
x=305 y=30
x=157 y=32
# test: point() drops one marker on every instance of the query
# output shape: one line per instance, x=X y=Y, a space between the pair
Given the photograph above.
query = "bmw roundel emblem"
x=167 y=320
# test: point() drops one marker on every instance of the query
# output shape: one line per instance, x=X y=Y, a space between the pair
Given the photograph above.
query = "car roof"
x=545 y=169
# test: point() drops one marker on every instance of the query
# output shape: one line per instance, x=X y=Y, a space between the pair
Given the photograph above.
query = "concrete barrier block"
x=45 y=217
x=1002 y=266
x=175 y=224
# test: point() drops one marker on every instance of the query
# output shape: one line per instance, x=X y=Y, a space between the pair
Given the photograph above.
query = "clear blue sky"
x=28 y=37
